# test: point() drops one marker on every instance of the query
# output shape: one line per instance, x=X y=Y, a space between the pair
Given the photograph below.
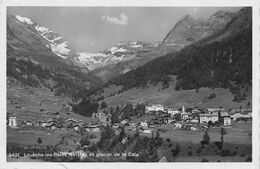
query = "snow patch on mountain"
x=58 y=38
x=135 y=45
x=91 y=56
x=24 y=19
x=93 y=60
x=114 y=50
x=41 y=29
x=132 y=44
x=60 y=49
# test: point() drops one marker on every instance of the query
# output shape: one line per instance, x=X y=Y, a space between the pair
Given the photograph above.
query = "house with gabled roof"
x=227 y=121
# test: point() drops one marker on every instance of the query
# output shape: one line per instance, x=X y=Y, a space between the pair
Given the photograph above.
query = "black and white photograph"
x=135 y=84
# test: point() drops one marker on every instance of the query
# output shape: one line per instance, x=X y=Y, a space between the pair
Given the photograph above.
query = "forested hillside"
x=66 y=81
x=213 y=63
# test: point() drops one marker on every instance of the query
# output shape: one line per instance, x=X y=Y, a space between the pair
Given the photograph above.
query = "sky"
x=93 y=29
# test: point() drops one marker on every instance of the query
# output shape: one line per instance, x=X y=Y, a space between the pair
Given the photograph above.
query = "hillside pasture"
x=172 y=97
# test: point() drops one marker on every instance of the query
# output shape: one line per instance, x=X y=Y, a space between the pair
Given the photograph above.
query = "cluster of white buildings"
x=241 y=114
x=166 y=116
x=204 y=116
x=160 y=108
x=56 y=123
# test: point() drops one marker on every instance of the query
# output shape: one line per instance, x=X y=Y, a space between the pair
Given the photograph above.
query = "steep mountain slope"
x=176 y=98
x=25 y=35
x=189 y=30
x=37 y=56
x=242 y=21
x=223 y=60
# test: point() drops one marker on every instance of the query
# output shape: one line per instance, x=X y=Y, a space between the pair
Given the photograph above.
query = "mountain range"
x=221 y=60
x=239 y=28
x=213 y=52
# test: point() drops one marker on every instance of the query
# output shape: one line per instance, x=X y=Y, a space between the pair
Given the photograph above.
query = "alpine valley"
x=135 y=101
x=193 y=55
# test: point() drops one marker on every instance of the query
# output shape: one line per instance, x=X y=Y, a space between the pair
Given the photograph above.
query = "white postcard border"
x=187 y=3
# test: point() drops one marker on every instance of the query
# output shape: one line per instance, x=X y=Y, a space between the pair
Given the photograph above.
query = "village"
x=182 y=126
x=157 y=116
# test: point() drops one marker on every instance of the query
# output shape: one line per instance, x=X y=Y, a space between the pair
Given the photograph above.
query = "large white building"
x=205 y=118
x=156 y=107
x=12 y=122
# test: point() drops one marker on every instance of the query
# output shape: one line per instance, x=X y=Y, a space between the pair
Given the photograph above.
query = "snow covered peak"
x=24 y=19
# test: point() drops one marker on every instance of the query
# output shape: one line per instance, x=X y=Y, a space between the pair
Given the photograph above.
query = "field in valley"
x=33 y=104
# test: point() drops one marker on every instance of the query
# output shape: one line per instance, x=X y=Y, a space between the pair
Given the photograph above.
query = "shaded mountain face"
x=189 y=30
x=223 y=59
x=241 y=21
x=38 y=56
